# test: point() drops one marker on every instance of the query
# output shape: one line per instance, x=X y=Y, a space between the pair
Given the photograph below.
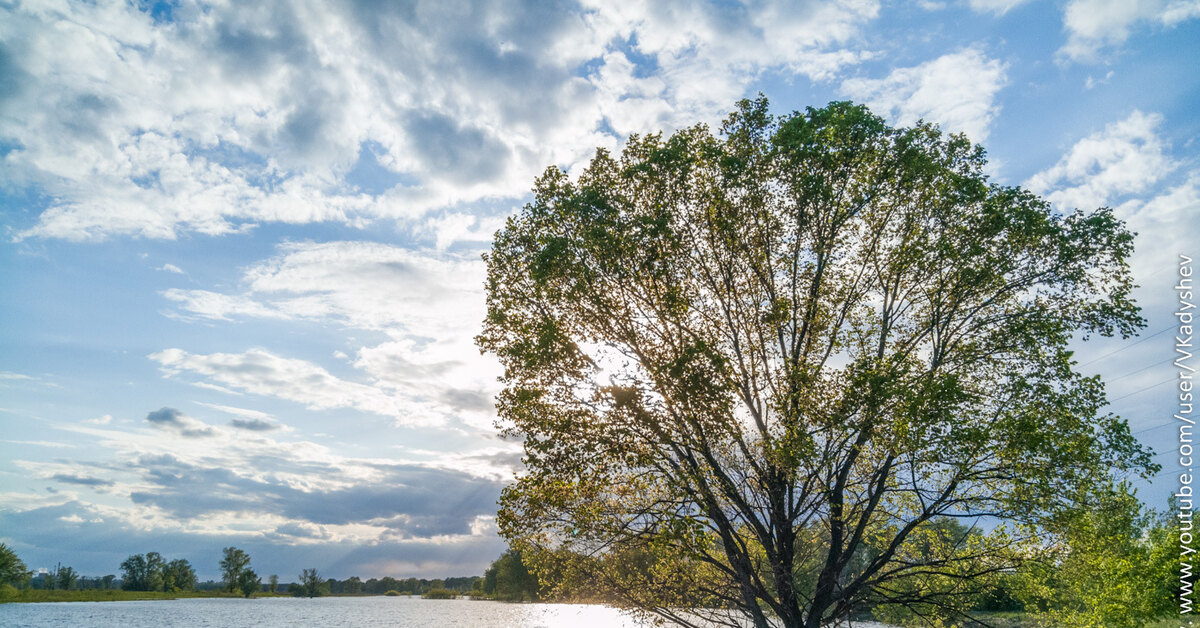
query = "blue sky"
x=241 y=240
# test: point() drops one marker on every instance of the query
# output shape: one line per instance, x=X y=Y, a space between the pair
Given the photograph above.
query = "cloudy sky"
x=240 y=241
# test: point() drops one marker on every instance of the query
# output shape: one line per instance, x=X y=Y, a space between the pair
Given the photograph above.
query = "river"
x=396 y=612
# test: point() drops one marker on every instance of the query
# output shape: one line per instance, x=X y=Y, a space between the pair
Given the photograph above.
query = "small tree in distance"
x=236 y=572
x=753 y=374
x=310 y=583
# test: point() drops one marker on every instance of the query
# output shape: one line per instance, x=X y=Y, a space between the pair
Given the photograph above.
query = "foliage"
x=273 y=583
x=1112 y=566
x=12 y=568
x=65 y=578
x=151 y=572
x=441 y=594
x=236 y=572
x=311 y=584
x=774 y=360
x=178 y=575
x=509 y=580
x=248 y=582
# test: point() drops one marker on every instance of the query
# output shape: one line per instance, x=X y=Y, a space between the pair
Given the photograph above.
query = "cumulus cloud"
x=112 y=118
x=430 y=305
x=1093 y=25
x=255 y=425
x=89 y=533
x=261 y=372
x=1126 y=157
x=184 y=425
x=288 y=492
x=1128 y=166
x=171 y=268
x=956 y=91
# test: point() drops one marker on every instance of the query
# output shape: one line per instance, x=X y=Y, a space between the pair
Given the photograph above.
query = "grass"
x=98 y=595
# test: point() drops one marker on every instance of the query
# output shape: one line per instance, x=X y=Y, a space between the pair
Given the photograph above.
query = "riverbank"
x=17 y=596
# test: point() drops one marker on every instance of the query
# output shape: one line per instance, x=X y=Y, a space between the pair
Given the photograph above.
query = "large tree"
x=752 y=371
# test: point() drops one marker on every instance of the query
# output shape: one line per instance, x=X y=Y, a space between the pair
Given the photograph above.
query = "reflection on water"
x=327 y=611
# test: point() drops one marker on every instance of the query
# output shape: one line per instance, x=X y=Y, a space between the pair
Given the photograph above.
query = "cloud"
x=98 y=539
x=956 y=91
x=170 y=418
x=39 y=443
x=117 y=124
x=261 y=372
x=241 y=412
x=1126 y=157
x=81 y=480
x=1093 y=25
x=1128 y=166
x=171 y=268
x=430 y=305
x=255 y=425
x=999 y=7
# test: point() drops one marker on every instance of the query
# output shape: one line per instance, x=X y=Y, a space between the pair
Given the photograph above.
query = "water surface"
x=401 y=612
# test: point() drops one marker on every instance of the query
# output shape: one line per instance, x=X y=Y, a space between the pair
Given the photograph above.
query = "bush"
x=392 y=593
x=440 y=594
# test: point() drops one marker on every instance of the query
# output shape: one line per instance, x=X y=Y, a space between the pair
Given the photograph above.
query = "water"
x=401 y=612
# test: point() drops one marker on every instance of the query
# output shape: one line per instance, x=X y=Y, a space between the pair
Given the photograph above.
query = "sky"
x=240 y=242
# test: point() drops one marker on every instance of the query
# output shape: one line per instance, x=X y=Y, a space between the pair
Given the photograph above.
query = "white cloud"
x=100 y=420
x=218 y=306
x=956 y=91
x=230 y=115
x=171 y=268
x=1126 y=157
x=1165 y=227
x=999 y=7
x=245 y=413
x=38 y=443
x=260 y=372
x=430 y=305
x=1128 y=166
x=1093 y=25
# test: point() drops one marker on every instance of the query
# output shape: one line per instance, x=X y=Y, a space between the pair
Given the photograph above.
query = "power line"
x=1130 y=346
x=1152 y=428
x=1138 y=392
x=1145 y=368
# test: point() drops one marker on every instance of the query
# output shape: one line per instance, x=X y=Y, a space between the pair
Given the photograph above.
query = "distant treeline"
x=404 y=586
x=153 y=572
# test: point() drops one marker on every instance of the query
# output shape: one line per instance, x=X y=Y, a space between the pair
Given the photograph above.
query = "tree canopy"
x=152 y=572
x=764 y=365
x=236 y=573
x=311 y=584
x=12 y=568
